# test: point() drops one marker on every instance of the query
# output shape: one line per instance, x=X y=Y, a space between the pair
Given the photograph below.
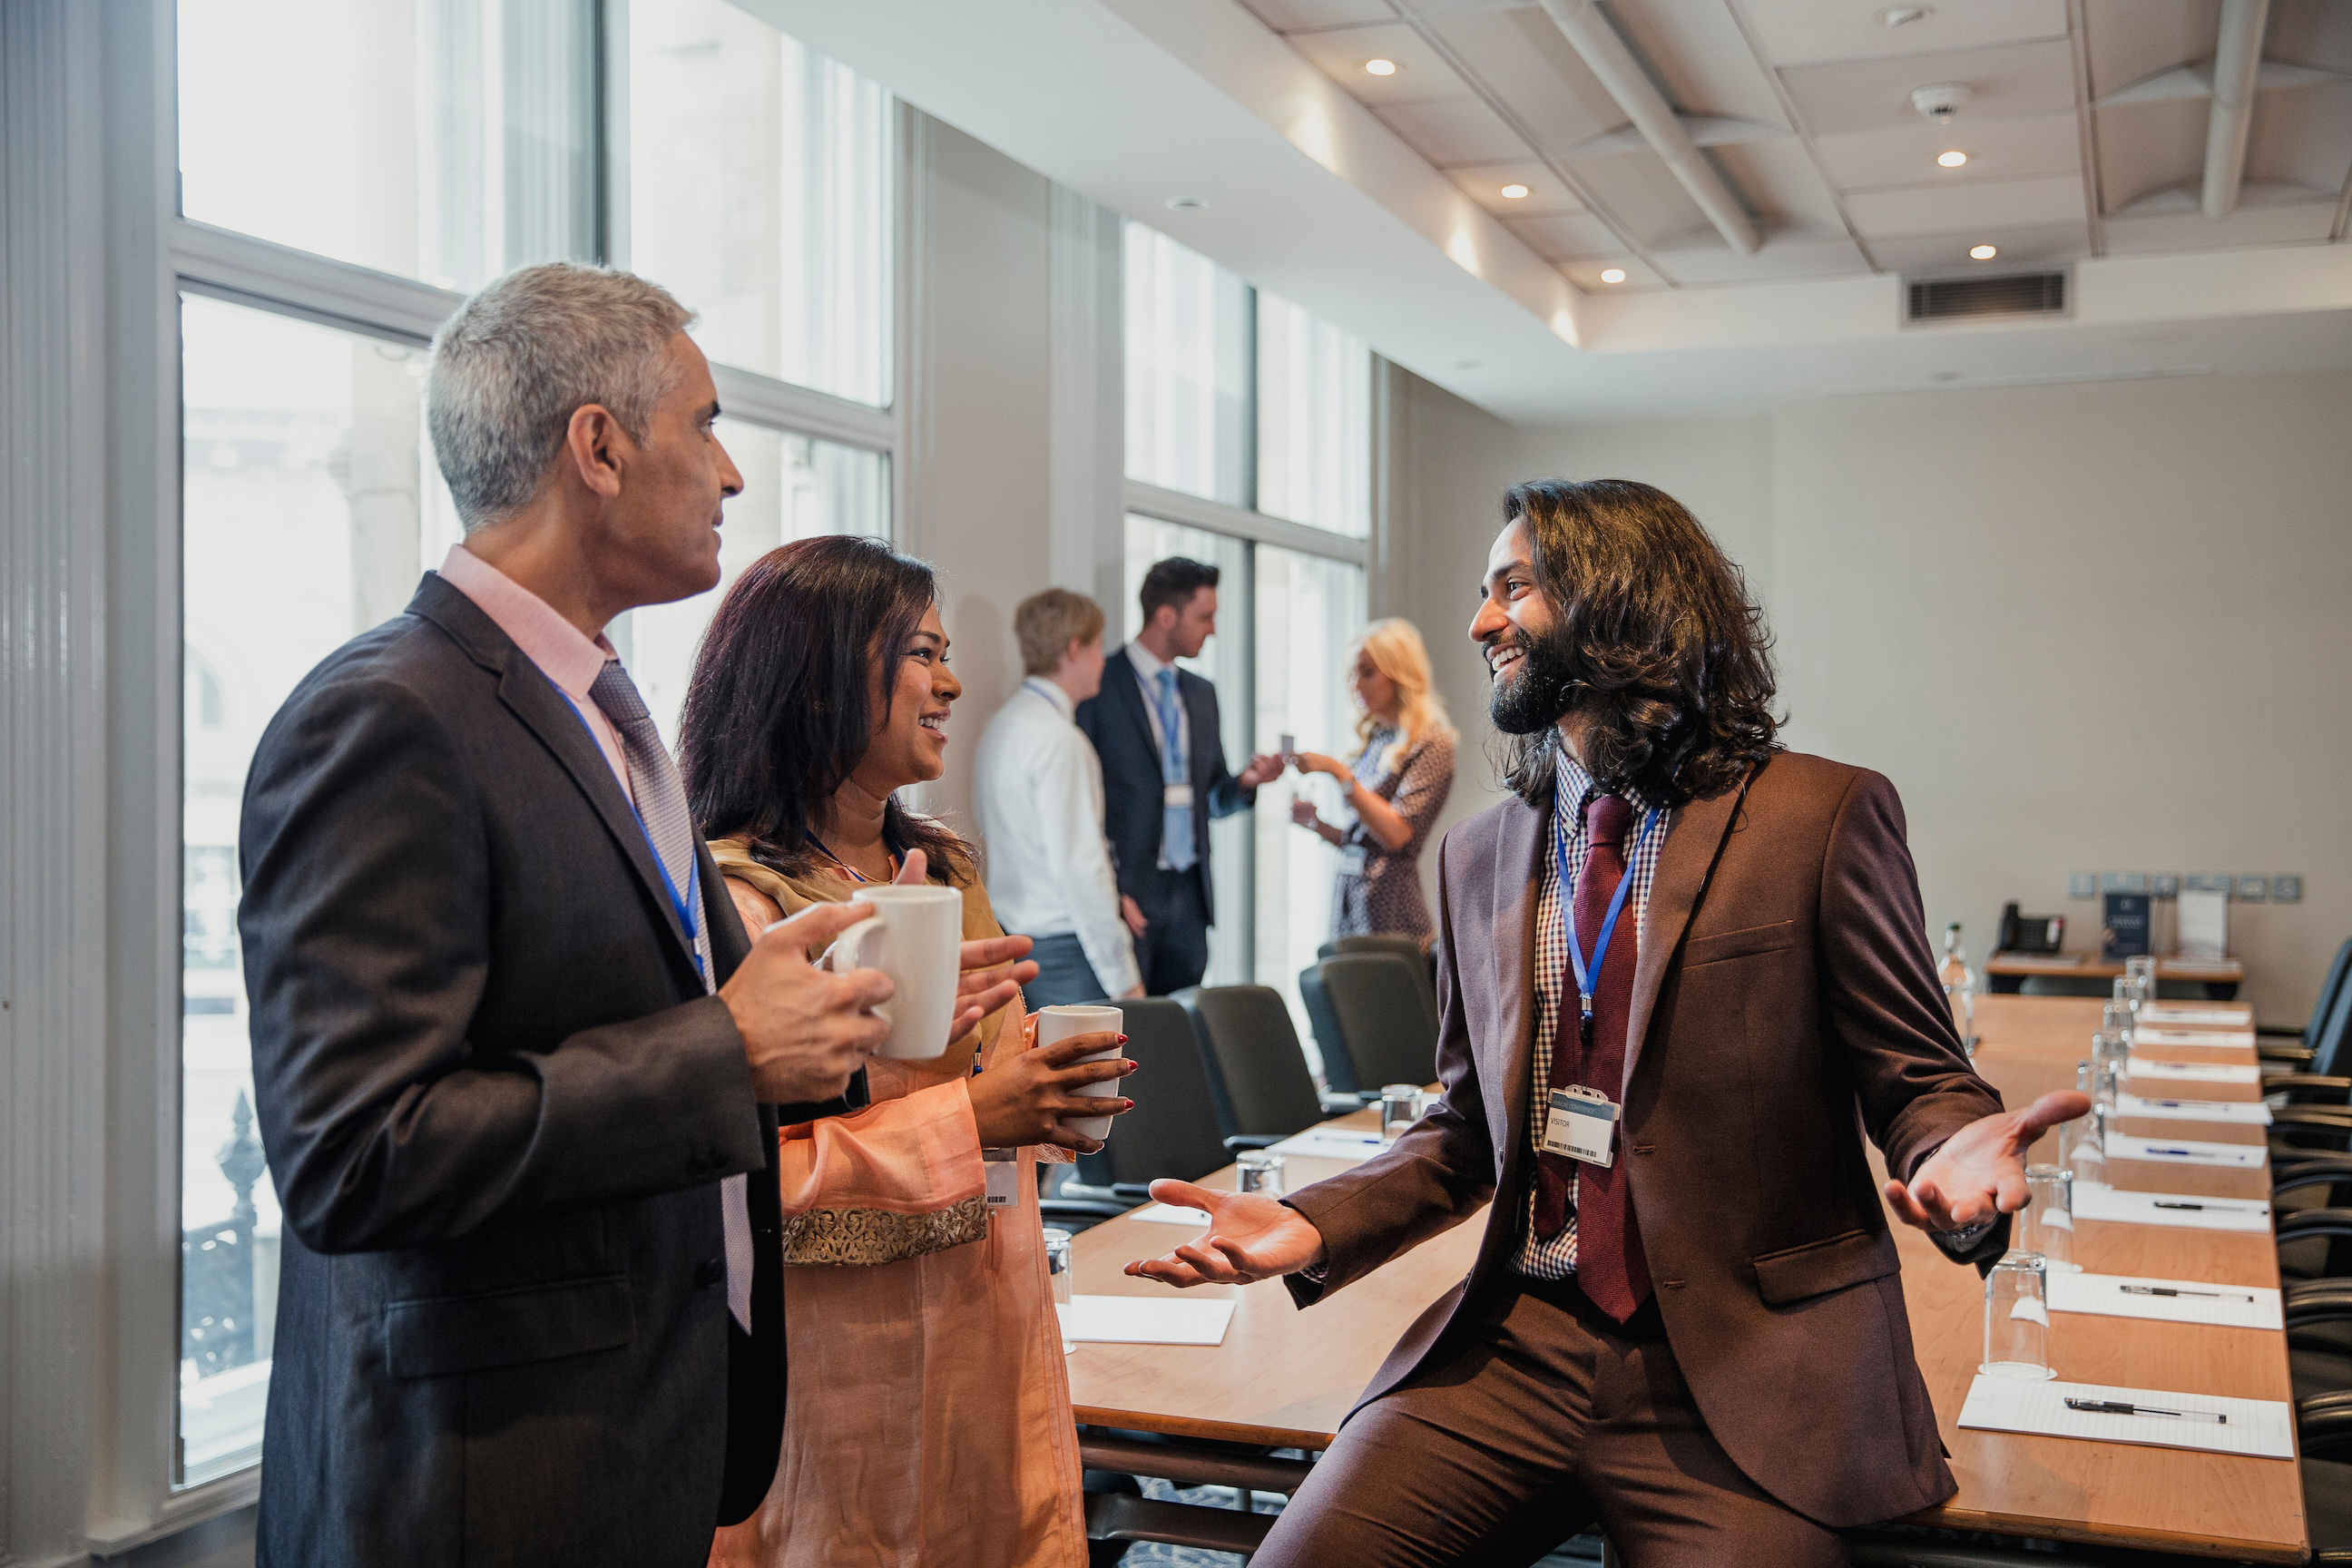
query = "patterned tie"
x=1176 y=824
x=669 y=829
x=1609 y=1266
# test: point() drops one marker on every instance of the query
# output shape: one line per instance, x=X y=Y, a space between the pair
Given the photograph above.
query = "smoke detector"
x=1942 y=101
x=1904 y=16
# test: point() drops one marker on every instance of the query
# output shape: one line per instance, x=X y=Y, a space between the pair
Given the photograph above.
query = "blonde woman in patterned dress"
x=927 y=1419
x=1396 y=784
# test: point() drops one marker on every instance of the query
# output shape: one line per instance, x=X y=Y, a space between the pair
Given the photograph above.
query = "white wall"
x=2094 y=626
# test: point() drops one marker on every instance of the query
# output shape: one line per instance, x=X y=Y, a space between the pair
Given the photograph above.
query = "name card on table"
x=2252 y=1112
x=2169 y=1015
x=1170 y=1214
x=2206 y=1072
x=2208 y=1037
x=1145 y=1321
x=2261 y=1428
x=2188 y=1151
x=2095 y=1200
x=2166 y=1300
x=1330 y=1143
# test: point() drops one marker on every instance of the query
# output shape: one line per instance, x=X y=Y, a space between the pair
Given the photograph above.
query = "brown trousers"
x=1547 y=1420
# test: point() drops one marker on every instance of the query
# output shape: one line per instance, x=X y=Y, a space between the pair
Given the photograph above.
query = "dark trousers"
x=1064 y=976
x=1173 y=951
x=1549 y=1418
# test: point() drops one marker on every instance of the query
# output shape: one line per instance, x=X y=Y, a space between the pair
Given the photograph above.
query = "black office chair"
x=1369 y=1019
x=2322 y=1006
x=1174 y=1129
x=1257 y=1069
x=1423 y=961
x=2322 y=1425
x=2325 y=1075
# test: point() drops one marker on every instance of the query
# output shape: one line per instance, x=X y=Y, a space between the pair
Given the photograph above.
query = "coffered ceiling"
x=2084 y=127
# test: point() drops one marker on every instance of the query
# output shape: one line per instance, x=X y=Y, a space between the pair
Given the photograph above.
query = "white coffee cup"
x=916 y=937
x=1054 y=1024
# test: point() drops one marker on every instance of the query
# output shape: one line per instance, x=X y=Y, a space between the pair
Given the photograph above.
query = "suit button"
x=708 y=1272
x=1672 y=1284
x=1645 y=1148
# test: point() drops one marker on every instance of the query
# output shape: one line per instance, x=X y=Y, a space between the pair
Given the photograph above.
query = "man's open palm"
x=1980 y=1169
x=1251 y=1236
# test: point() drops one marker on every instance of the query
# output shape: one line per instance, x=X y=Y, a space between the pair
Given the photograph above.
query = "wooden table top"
x=1287 y=1379
x=2091 y=966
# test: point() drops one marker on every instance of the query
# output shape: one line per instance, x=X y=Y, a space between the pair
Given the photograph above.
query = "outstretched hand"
x=1980 y=1169
x=1251 y=1236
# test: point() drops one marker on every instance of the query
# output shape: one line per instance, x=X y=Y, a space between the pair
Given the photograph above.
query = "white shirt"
x=1146 y=668
x=1038 y=787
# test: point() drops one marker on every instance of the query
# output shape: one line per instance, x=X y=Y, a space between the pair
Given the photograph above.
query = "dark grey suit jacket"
x=1785 y=1006
x=496 y=1100
x=1114 y=719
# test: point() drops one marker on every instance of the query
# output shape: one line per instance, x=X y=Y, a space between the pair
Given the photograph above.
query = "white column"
x=1087 y=439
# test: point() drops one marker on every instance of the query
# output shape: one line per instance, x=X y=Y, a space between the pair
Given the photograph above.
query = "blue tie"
x=1176 y=825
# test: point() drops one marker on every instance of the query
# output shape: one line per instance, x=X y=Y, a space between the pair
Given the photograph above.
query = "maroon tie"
x=1610 y=1266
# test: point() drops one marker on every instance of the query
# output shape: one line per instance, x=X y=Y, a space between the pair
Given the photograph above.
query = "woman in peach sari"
x=928 y=1415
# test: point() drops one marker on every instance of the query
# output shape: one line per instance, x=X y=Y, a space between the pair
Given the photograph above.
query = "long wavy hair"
x=1658 y=637
x=1398 y=652
x=782 y=706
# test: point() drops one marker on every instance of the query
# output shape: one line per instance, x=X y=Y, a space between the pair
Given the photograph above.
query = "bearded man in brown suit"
x=1682 y=972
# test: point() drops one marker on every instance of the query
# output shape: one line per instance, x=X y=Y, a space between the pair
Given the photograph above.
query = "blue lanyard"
x=1608 y=925
x=1171 y=724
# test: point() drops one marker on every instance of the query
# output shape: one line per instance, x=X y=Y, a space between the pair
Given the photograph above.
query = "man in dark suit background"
x=518 y=1066
x=1164 y=778
x=1682 y=973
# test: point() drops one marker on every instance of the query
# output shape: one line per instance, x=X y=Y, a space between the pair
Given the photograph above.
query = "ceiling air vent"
x=2015 y=294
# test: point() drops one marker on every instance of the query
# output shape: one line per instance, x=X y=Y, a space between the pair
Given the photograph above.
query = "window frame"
x=156 y=254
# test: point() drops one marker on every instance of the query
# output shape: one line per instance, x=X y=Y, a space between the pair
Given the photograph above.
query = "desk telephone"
x=2031 y=933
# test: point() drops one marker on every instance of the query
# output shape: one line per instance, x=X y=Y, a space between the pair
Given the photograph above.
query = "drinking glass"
x=1401 y=1106
x=2086 y=1144
x=2046 y=1223
x=2116 y=1019
x=2017 y=1319
x=2107 y=1049
x=1258 y=1171
x=1057 y=1272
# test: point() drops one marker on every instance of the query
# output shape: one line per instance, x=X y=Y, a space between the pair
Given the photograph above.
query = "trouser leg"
x=1065 y=977
x=1173 y=951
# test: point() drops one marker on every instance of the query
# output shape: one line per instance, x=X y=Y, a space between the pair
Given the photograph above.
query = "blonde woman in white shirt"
x=1039 y=789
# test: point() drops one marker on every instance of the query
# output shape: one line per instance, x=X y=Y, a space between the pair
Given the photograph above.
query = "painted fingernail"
x=1122 y=1039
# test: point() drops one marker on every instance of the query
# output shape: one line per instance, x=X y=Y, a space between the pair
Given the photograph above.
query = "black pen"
x=2174 y=1290
x=2116 y=1407
x=2217 y=1208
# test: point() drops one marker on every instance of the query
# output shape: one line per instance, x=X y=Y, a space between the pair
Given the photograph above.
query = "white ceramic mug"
x=916 y=937
x=1056 y=1024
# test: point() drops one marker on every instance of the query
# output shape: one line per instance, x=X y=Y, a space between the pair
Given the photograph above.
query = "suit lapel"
x=1684 y=863
x=1522 y=833
x=1198 y=754
x=1131 y=696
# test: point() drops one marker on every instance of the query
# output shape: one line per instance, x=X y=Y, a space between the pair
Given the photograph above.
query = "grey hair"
x=519 y=358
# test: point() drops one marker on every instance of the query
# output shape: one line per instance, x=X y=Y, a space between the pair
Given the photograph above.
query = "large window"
x=446 y=141
x=1246 y=417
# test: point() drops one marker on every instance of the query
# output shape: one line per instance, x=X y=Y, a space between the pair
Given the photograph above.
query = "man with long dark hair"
x=1682 y=972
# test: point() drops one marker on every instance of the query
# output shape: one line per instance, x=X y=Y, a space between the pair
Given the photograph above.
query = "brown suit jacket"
x=1785 y=1005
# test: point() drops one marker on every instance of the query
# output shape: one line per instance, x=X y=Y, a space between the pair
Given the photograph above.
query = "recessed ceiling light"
x=1515 y=192
x=1953 y=159
x=1188 y=203
x=1899 y=15
x=1381 y=68
x=1614 y=275
x=1467 y=364
x=1982 y=252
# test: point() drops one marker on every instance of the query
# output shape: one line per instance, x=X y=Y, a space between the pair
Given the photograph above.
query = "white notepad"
x=2261 y=1427
x=2248 y=1110
x=2187 y=1151
x=2207 y=1072
x=1170 y=1214
x=2243 y=1039
x=2095 y=1200
x=1323 y=1144
x=2163 y=1015
x=1145 y=1321
x=2224 y=1306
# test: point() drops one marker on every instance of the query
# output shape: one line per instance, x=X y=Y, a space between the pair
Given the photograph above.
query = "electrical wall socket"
x=2209 y=882
x=2286 y=890
x=2165 y=884
x=2082 y=884
x=2252 y=889
x=2123 y=881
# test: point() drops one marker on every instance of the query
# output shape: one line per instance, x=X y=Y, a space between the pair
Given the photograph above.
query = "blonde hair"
x=1047 y=624
x=1398 y=652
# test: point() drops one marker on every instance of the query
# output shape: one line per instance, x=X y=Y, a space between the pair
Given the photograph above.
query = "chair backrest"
x=2330 y=988
x=1378 y=1026
x=1338 y=1067
x=1256 y=1065
x=1173 y=1130
x=1404 y=947
x=2331 y=1035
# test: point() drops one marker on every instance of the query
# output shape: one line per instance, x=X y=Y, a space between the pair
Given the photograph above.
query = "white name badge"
x=1581 y=1125
x=1002 y=1167
x=1179 y=796
x=1351 y=861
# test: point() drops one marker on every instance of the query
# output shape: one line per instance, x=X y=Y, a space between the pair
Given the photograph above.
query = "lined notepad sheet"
x=2167 y=1108
x=2095 y=1200
x=1323 y=1144
x=2206 y=1072
x=2264 y=1428
x=2146 y=1036
x=1170 y=1214
x=2168 y=1015
x=1145 y=1321
x=2224 y=1306
x=2187 y=1151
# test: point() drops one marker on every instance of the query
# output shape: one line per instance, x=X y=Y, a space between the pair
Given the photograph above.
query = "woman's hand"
x=1317 y=762
x=1302 y=812
x=1023 y=1099
x=990 y=970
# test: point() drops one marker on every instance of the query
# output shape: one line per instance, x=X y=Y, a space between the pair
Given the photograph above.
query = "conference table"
x=2213 y=979
x=1282 y=1378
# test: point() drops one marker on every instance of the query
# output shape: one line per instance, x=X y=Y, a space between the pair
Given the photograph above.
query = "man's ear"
x=596 y=446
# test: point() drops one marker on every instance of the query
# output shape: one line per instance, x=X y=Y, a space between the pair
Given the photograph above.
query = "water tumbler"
x=2017 y=1319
